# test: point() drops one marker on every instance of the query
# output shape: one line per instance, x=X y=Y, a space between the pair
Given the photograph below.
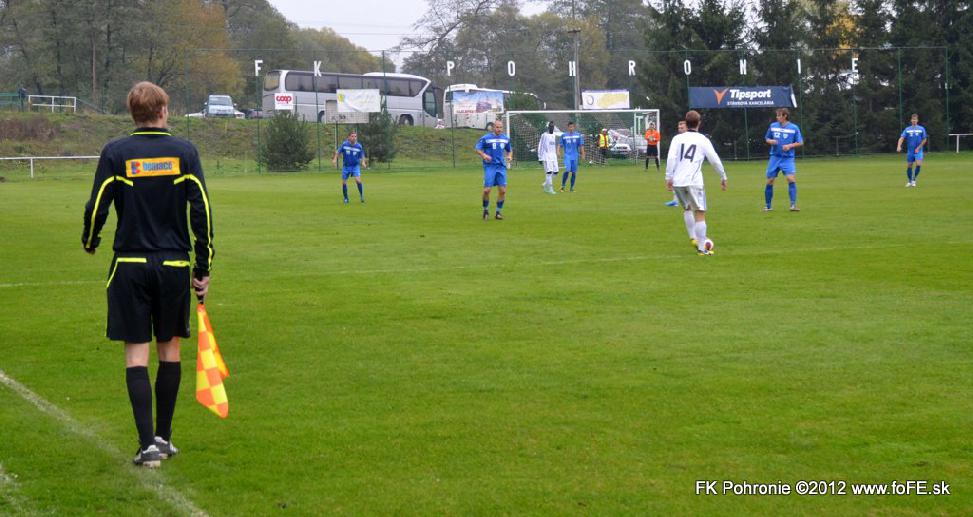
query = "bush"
x=285 y=144
x=378 y=137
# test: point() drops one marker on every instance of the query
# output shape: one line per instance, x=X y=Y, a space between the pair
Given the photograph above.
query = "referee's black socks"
x=166 y=389
x=140 y=394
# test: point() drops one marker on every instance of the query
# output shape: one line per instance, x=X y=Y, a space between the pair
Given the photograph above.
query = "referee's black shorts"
x=149 y=293
x=652 y=150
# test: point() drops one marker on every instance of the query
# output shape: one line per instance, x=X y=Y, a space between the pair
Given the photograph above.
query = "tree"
x=378 y=136
x=286 y=146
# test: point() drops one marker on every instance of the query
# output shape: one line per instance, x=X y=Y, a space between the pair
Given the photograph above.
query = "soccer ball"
x=708 y=245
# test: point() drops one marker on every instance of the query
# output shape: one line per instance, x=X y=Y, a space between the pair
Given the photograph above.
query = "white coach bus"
x=481 y=108
x=410 y=99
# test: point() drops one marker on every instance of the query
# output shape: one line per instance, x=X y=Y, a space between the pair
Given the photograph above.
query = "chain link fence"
x=849 y=101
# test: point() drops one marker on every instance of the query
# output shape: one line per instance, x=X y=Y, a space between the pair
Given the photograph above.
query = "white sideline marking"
x=151 y=481
x=8 y=489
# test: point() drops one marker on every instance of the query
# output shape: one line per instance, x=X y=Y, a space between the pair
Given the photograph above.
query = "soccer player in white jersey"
x=680 y=129
x=684 y=177
x=547 y=154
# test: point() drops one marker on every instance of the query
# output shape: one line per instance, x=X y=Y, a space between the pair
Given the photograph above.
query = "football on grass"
x=708 y=245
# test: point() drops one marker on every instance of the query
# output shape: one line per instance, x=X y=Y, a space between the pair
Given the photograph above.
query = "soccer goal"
x=625 y=129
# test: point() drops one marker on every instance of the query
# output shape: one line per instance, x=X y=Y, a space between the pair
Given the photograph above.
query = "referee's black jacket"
x=151 y=176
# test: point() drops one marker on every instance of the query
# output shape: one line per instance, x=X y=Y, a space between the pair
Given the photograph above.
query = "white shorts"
x=550 y=165
x=691 y=198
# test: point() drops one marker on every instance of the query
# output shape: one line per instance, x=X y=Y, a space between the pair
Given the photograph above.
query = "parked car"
x=218 y=106
x=253 y=113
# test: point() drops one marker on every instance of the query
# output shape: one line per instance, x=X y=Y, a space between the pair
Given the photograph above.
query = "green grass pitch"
x=405 y=357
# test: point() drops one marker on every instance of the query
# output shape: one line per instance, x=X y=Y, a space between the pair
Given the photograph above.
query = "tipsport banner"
x=742 y=97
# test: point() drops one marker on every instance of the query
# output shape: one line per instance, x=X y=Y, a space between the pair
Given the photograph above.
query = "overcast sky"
x=373 y=24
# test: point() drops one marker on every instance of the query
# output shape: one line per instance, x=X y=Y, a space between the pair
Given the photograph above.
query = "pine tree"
x=285 y=146
x=378 y=137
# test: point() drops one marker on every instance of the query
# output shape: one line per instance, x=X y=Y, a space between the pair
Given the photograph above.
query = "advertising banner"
x=605 y=100
x=465 y=103
x=284 y=102
x=359 y=101
x=742 y=97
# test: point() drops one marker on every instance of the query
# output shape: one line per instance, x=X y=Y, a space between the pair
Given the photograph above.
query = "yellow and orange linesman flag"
x=210 y=368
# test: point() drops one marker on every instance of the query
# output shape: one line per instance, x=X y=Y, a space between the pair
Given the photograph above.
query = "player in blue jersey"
x=915 y=138
x=783 y=137
x=495 y=150
x=353 y=156
x=571 y=143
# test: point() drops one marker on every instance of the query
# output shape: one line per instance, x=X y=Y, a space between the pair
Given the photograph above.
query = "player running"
x=783 y=137
x=684 y=177
x=495 y=150
x=571 y=143
x=352 y=154
x=680 y=129
x=547 y=154
x=915 y=138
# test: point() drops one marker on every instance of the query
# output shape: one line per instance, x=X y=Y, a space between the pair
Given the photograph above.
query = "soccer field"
x=404 y=356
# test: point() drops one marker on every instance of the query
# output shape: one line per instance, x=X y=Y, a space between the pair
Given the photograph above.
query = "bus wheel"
x=405 y=120
x=320 y=116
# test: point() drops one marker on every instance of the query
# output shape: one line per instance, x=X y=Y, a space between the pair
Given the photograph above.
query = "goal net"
x=625 y=129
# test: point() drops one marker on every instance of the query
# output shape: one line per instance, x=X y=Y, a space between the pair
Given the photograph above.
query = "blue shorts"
x=494 y=176
x=346 y=172
x=571 y=164
x=912 y=157
x=779 y=164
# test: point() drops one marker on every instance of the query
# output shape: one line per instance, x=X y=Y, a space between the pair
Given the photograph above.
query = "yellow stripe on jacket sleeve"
x=94 y=210
x=209 y=227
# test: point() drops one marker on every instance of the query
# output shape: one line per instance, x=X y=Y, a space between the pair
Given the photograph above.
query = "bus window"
x=346 y=82
x=398 y=87
x=429 y=102
x=374 y=83
x=415 y=87
x=327 y=83
x=272 y=82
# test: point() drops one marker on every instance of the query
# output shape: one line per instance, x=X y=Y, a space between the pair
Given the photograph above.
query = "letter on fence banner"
x=317 y=69
x=449 y=67
x=511 y=68
x=631 y=68
x=687 y=67
x=572 y=69
x=798 y=66
x=256 y=67
x=743 y=67
x=854 y=65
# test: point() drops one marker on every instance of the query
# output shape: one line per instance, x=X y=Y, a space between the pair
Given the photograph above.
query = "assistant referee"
x=151 y=177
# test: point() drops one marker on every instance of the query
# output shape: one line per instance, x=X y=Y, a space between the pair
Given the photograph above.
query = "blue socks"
x=499 y=205
x=574 y=175
x=916 y=175
x=792 y=191
x=344 y=191
x=908 y=173
x=486 y=204
x=768 y=194
x=564 y=179
x=360 y=193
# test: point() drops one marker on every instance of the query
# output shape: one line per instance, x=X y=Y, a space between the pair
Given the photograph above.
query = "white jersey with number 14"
x=685 y=161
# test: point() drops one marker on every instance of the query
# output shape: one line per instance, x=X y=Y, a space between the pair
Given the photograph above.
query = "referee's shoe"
x=148 y=457
x=166 y=449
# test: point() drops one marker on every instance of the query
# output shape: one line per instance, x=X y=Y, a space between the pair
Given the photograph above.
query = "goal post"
x=625 y=128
